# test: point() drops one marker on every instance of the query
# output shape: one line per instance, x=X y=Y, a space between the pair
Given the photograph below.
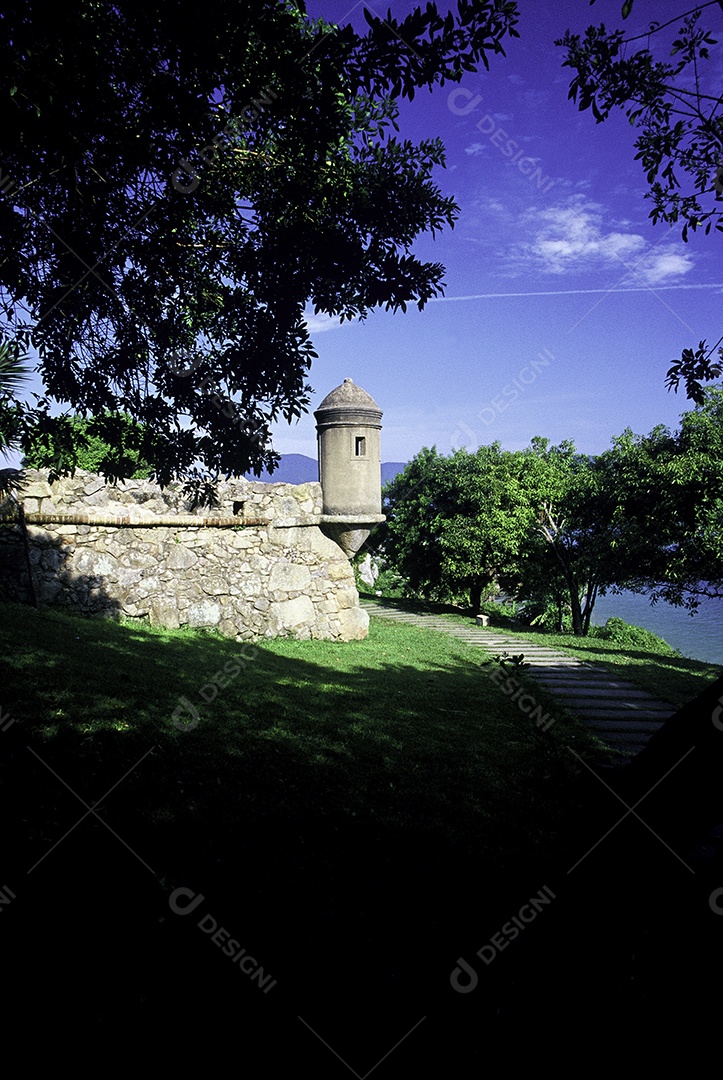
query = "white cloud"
x=318 y=324
x=572 y=236
x=476 y=148
x=660 y=266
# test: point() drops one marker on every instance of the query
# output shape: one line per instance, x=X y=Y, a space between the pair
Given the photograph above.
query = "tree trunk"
x=576 y=609
x=475 y=597
x=590 y=599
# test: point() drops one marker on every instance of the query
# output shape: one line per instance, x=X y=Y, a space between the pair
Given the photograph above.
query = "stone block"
x=128 y=576
x=181 y=558
x=354 y=624
x=204 y=614
x=214 y=586
x=290 y=614
x=147 y=587
x=48 y=591
x=338 y=571
x=36 y=489
x=164 y=612
x=95 y=563
x=94 y=485
x=51 y=559
x=134 y=610
x=289 y=577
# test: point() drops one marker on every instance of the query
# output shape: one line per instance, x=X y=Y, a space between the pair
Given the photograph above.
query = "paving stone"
x=613 y=713
x=648 y=727
x=620 y=714
x=609 y=693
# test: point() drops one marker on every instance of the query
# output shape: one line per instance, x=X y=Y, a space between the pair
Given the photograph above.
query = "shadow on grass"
x=355 y=823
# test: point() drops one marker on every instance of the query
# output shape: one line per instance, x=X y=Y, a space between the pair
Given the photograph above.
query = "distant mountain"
x=300 y=469
x=293 y=469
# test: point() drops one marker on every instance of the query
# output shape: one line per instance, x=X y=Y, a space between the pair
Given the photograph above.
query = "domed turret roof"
x=349 y=395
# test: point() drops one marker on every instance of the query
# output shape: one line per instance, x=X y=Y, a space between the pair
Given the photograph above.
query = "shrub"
x=388 y=583
x=622 y=633
x=500 y=613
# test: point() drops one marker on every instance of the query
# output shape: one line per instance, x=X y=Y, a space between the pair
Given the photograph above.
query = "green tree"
x=456 y=525
x=556 y=529
x=108 y=444
x=553 y=528
x=178 y=186
x=669 y=493
x=667 y=83
x=565 y=554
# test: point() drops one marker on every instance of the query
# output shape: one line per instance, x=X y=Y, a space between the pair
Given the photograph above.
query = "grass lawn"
x=357 y=816
x=670 y=678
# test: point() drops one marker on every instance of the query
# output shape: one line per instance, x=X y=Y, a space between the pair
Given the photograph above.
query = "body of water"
x=698 y=636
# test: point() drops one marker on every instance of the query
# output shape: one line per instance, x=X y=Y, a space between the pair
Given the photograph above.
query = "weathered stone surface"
x=289 y=577
x=354 y=624
x=204 y=614
x=164 y=612
x=36 y=489
x=252 y=582
x=95 y=563
x=292 y=614
x=180 y=558
x=341 y=570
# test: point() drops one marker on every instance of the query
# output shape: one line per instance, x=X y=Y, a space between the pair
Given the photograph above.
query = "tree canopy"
x=77 y=441
x=455 y=524
x=665 y=81
x=555 y=529
x=180 y=184
x=669 y=490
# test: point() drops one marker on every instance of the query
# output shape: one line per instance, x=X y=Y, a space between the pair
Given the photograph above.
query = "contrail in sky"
x=569 y=292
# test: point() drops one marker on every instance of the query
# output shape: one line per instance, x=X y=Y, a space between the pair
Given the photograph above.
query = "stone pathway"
x=621 y=715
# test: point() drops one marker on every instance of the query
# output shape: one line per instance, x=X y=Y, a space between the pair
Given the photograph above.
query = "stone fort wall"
x=256 y=566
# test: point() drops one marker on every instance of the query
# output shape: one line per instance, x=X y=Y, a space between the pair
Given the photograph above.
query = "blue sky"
x=564 y=305
x=522 y=344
